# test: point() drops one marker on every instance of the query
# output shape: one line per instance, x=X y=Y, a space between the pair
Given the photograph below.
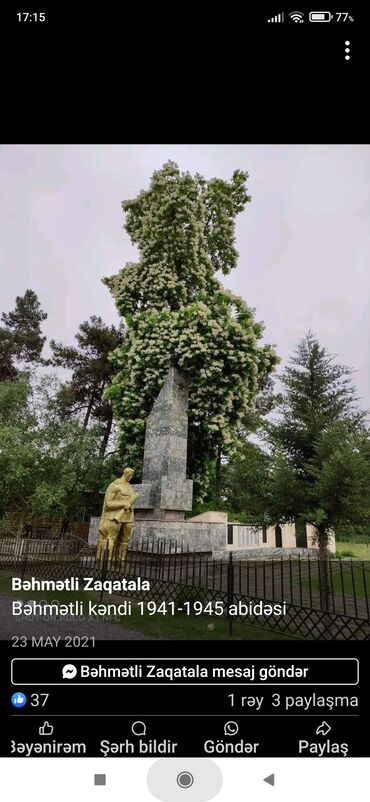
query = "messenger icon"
x=69 y=671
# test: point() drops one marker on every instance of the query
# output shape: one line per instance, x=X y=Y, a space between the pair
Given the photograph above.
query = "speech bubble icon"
x=138 y=728
x=69 y=671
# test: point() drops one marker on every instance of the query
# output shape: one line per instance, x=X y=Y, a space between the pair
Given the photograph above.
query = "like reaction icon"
x=19 y=699
x=46 y=729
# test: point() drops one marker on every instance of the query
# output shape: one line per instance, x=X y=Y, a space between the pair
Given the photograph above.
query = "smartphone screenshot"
x=184 y=437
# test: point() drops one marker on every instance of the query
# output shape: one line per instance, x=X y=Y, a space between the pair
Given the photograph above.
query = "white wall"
x=251 y=537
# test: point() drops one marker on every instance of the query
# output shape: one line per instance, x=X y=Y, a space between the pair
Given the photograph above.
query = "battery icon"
x=320 y=16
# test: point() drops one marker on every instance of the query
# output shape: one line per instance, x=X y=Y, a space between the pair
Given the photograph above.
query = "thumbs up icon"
x=18 y=699
x=46 y=729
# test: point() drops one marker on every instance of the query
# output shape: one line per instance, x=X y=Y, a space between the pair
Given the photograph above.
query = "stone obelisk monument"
x=165 y=493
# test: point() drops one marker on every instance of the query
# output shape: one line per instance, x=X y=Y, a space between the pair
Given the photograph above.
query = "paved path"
x=10 y=625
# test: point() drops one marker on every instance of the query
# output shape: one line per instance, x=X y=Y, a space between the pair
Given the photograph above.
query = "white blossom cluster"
x=178 y=313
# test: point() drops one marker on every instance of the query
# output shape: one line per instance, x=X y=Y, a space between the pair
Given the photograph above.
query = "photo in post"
x=194 y=462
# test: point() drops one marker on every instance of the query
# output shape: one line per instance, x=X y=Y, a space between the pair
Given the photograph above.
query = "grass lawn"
x=351 y=579
x=358 y=551
x=176 y=627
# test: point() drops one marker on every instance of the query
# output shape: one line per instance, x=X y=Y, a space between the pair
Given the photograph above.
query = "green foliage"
x=18 y=442
x=316 y=467
x=178 y=314
x=91 y=371
x=21 y=339
x=317 y=392
x=244 y=483
x=7 y=366
x=66 y=471
x=340 y=476
x=184 y=228
x=45 y=463
x=358 y=533
x=320 y=467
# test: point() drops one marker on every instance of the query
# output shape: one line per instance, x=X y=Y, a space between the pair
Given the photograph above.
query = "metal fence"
x=46 y=549
x=340 y=610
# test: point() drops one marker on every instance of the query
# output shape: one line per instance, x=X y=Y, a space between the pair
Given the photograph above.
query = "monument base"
x=197 y=536
x=267 y=553
x=208 y=537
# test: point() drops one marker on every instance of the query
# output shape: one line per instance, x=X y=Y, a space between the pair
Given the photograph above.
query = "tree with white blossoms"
x=178 y=313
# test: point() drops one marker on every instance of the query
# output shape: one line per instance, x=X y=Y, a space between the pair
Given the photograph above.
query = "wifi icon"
x=296 y=16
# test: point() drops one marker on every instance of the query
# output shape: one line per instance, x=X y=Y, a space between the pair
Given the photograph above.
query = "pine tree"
x=7 y=361
x=21 y=340
x=24 y=324
x=320 y=462
x=91 y=371
x=317 y=392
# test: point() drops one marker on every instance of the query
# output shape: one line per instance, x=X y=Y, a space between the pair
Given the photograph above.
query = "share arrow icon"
x=323 y=729
x=270 y=779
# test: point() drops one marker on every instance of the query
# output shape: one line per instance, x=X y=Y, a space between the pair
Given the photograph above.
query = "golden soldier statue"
x=117 y=520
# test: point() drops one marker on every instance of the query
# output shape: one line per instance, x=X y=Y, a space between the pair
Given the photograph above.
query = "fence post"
x=104 y=569
x=230 y=591
x=324 y=588
x=24 y=563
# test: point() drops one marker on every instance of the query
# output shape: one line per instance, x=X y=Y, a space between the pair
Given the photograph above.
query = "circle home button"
x=184 y=779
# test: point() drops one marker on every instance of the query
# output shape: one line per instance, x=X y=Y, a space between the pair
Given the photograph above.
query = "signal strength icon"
x=277 y=18
x=296 y=16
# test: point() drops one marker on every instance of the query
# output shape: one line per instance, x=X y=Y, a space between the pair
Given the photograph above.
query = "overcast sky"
x=303 y=241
